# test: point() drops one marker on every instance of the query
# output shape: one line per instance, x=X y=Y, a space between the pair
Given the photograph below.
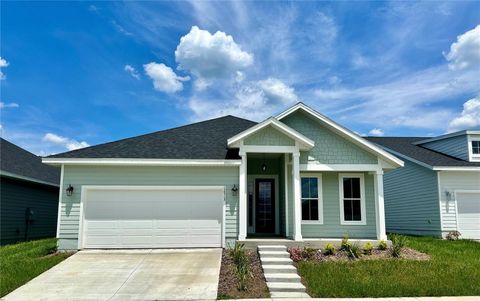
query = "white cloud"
x=3 y=64
x=465 y=52
x=376 y=132
x=469 y=118
x=8 y=105
x=92 y=8
x=164 y=79
x=210 y=56
x=121 y=29
x=132 y=71
x=276 y=91
x=69 y=144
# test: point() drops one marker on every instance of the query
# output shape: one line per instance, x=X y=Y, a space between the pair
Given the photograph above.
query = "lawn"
x=454 y=270
x=23 y=261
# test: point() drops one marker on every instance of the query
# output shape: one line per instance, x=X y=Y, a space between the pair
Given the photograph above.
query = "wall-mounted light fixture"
x=69 y=190
x=448 y=195
x=234 y=190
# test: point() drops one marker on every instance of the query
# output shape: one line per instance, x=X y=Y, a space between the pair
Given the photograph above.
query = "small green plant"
x=242 y=269
x=329 y=249
x=368 y=248
x=382 y=245
x=453 y=235
x=308 y=253
x=346 y=244
x=353 y=251
x=398 y=242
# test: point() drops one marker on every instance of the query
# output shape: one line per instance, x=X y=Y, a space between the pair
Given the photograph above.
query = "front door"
x=264 y=206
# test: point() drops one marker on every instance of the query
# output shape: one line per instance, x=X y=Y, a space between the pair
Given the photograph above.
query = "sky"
x=74 y=74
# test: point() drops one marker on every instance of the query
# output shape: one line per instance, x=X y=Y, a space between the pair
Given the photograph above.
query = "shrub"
x=367 y=248
x=353 y=250
x=330 y=249
x=296 y=254
x=346 y=244
x=242 y=269
x=309 y=253
x=382 y=245
x=398 y=242
x=453 y=235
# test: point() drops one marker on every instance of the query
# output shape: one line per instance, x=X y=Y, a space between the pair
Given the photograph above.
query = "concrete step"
x=273 y=260
x=278 y=268
x=272 y=248
x=282 y=277
x=282 y=254
x=285 y=287
x=293 y=295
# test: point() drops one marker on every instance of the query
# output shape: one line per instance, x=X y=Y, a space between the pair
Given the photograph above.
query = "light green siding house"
x=298 y=176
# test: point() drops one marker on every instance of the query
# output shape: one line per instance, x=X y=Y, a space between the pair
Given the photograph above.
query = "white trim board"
x=363 y=213
x=139 y=162
x=365 y=144
x=339 y=167
x=24 y=178
x=446 y=136
x=318 y=176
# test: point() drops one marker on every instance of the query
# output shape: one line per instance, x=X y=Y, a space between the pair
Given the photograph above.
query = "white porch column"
x=242 y=206
x=297 y=202
x=379 y=205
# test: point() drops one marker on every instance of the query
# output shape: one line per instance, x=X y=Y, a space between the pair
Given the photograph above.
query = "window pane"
x=305 y=187
x=313 y=187
x=351 y=187
x=314 y=210
x=356 y=210
x=476 y=147
x=305 y=210
x=347 y=210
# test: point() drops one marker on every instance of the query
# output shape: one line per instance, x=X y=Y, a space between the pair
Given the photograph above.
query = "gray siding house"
x=297 y=176
x=438 y=189
x=28 y=195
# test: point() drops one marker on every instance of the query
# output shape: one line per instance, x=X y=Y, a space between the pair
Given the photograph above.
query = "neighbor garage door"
x=152 y=217
x=468 y=207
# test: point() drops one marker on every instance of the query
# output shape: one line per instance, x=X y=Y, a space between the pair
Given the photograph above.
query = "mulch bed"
x=228 y=281
x=406 y=253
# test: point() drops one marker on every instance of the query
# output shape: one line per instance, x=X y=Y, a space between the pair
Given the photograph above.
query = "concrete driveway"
x=128 y=275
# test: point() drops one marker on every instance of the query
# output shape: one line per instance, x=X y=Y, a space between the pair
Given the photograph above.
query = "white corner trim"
x=318 y=176
x=354 y=137
x=363 y=220
x=60 y=195
x=24 y=178
x=307 y=142
x=439 y=189
x=139 y=162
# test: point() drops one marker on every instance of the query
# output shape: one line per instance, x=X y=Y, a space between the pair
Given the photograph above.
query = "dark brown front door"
x=265 y=206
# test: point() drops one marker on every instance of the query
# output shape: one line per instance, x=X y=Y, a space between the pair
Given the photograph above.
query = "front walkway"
x=473 y=298
x=128 y=275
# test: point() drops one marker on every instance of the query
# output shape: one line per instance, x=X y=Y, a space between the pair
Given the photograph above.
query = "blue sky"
x=82 y=73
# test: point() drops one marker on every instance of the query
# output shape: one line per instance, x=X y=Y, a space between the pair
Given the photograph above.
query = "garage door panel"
x=153 y=218
x=468 y=208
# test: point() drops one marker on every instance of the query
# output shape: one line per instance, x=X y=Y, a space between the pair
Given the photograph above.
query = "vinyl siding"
x=451 y=181
x=146 y=175
x=269 y=136
x=411 y=200
x=331 y=227
x=330 y=148
x=15 y=197
x=455 y=146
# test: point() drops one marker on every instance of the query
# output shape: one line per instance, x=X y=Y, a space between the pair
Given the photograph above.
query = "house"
x=438 y=189
x=28 y=195
x=297 y=176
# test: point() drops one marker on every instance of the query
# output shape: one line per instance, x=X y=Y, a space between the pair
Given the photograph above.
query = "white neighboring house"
x=438 y=189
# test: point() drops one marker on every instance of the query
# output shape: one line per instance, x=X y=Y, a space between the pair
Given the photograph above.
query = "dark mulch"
x=228 y=281
x=340 y=255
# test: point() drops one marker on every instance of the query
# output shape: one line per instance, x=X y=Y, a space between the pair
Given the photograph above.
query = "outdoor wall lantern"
x=234 y=190
x=69 y=190
x=264 y=167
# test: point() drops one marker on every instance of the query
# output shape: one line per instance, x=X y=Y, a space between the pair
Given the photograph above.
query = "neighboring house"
x=28 y=195
x=298 y=175
x=438 y=189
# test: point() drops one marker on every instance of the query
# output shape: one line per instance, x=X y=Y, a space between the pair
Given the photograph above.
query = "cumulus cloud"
x=274 y=90
x=69 y=144
x=132 y=71
x=164 y=79
x=3 y=64
x=469 y=118
x=210 y=56
x=376 y=132
x=8 y=105
x=465 y=52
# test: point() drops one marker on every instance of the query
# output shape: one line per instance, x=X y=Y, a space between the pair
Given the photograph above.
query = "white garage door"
x=468 y=206
x=152 y=217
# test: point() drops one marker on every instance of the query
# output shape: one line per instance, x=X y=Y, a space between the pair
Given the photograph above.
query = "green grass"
x=454 y=270
x=24 y=261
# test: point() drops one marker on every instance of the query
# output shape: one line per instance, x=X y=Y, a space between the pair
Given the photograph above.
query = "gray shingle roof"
x=405 y=146
x=202 y=140
x=16 y=160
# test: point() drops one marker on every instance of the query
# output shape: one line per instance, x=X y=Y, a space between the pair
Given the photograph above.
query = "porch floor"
x=318 y=243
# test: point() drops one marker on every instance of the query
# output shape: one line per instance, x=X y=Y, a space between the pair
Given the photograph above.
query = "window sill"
x=312 y=222
x=353 y=223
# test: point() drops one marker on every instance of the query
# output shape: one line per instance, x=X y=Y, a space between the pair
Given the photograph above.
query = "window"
x=352 y=199
x=312 y=199
x=476 y=147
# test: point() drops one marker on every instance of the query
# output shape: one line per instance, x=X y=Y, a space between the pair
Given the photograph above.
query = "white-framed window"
x=312 y=201
x=352 y=199
x=475 y=147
